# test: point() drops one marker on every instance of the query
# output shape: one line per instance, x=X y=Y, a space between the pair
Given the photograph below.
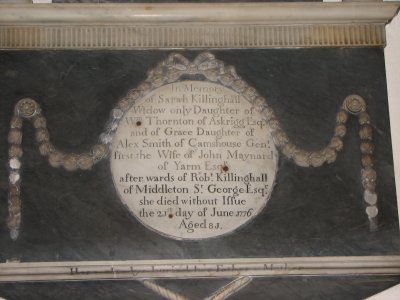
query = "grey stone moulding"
x=192 y=36
x=194 y=25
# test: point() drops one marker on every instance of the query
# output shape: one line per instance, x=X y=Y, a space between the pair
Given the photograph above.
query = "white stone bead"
x=14 y=163
x=117 y=113
x=106 y=138
x=14 y=177
x=370 y=198
x=14 y=233
x=372 y=211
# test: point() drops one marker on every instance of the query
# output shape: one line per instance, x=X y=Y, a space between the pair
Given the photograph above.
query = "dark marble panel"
x=326 y=288
x=312 y=212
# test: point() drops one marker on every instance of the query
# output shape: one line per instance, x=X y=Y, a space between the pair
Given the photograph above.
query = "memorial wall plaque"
x=224 y=144
x=193 y=159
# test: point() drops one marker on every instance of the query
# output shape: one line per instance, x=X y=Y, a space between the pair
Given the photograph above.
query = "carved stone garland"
x=169 y=71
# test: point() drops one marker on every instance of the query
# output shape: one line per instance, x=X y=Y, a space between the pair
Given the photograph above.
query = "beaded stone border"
x=169 y=71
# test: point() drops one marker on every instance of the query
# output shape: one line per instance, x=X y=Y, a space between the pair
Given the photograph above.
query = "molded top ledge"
x=173 y=13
